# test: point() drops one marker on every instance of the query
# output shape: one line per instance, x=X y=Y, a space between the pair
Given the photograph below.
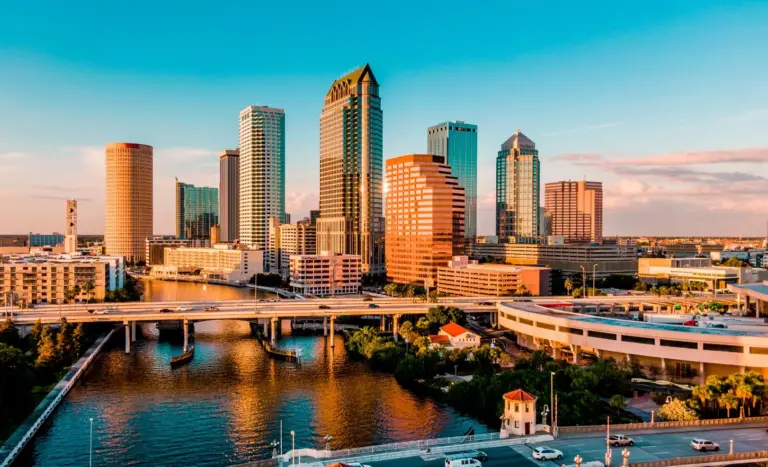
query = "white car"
x=100 y=312
x=620 y=440
x=357 y=464
x=182 y=309
x=545 y=453
x=704 y=445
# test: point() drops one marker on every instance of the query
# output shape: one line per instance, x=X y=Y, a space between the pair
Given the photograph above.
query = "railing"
x=656 y=425
x=52 y=404
x=703 y=460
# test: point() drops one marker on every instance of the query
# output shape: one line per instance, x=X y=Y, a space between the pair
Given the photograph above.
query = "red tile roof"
x=519 y=395
x=454 y=329
x=437 y=339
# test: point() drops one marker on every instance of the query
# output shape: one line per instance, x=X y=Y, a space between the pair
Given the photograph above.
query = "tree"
x=641 y=286
x=88 y=288
x=15 y=378
x=392 y=290
x=64 y=344
x=618 y=402
x=47 y=351
x=654 y=290
x=568 y=286
x=78 y=340
x=457 y=315
x=69 y=295
x=35 y=333
x=410 y=292
x=433 y=296
x=676 y=411
x=9 y=335
x=729 y=400
x=704 y=394
x=423 y=326
x=578 y=292
x=734 y=262
x=407 y=331
x=522 y=291
x=76 y=289
x=663 y=290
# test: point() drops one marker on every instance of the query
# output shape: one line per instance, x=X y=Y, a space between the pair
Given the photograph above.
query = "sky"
x=665 y=102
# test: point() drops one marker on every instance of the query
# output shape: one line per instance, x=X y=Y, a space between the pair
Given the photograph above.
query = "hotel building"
x=262 y=173
x=351 y=161
x=470 y=279
x=326 y=274
x=128 y=216
x=517 y=190
x=425 y=218
x=155 y=247
x=229 y=194
x=197 y=210
x=576 y=210
x=220 y=262
x=287 y=240
x=457 y=143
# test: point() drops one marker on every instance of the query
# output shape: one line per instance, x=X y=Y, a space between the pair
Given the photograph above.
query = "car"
x=323 y=307
x=367 y=299
x=462 y=462
x=166 y=310
x=704 y=445
x=100 y=312
x=620 y=440
x=91 y=310
x=211 y=309
x=545 y=453
x=183 y=309
x=373 y=305
x=357 y=464
x=472 y=454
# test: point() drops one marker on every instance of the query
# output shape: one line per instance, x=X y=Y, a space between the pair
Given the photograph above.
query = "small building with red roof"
x=457 y=337
x=519 y=417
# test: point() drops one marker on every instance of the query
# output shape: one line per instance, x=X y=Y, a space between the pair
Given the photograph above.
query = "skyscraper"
x=425 y=218
x=576 y=209
x=229 y=194
x=517 y=189
x=262 y=173
x=457 y=142
x=351 y=169
x=70 y=241
x=128 y=219
x=197 y=210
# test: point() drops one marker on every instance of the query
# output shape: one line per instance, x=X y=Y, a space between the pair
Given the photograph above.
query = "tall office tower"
x=517 y=190
x=545 y=222
x=129 y=200
x=313 y=215
x=262 y=173
x=272 y=253
x=457 y=142
x=197 y=210
x=351 y=151
x=70 y=241
x=229 y=193
x=425 y=218
x=576 y=209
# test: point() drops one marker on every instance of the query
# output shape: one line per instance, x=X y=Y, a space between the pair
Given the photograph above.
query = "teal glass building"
x=197 y=210
x=457 y=142
x=518 y=177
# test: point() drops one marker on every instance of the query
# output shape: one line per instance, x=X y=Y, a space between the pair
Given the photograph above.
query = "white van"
x=463 y=462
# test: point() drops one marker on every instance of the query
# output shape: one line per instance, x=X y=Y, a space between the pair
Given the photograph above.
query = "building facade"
x=220 y=262
x=37 y=239
x=425 y=218
x=576 y=210
x=517 y=189
x=287 y=240
x=351 y=168
x=457 y=143
x=326 y=274
x=129 y=216
x=154 y=247
x=229 y=194
x=470 y=279
x=197 y=210
x=262 y=173
x=70 y=241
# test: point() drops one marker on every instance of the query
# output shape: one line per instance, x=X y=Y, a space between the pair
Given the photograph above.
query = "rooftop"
x=454 y=329
x=519 y=395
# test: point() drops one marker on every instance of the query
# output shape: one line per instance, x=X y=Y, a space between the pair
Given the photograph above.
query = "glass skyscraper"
x=197 y=210
x=457 y=143
x=517 y=190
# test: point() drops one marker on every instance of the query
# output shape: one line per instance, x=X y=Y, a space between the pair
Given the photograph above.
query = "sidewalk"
x=654 y=431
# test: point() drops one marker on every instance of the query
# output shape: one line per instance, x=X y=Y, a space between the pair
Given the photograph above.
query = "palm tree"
x=703 y=393
x=568 y=286
x=88 y=289
x=69 y=295
x=729 y=400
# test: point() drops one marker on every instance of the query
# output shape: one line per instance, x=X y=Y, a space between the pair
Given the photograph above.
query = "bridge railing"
x=657 y=425
x=704 y=460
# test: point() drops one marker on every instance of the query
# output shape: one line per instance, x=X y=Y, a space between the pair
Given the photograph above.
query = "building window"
x=602 y=335
x=724 y=348
x=527 y=408
x=517 y=424
x=517 y=407
x=638 y=340
x=679 y=344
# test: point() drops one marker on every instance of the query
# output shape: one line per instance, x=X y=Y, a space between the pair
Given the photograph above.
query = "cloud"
x=576 y=157
x=185 y=154
x=599 y=126
x=299 y=203
x=757 y=155
x=13 y=156
x=753 y=114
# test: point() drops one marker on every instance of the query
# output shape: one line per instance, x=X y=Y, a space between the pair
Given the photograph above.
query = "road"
x=648 y=447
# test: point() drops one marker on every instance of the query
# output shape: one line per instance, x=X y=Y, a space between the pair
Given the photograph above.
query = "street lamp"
x=583 y=281
x=328 y=442
x=594 y=289
x=293 y=447
x=90 y=447
x=274 y=445
x=552 y=396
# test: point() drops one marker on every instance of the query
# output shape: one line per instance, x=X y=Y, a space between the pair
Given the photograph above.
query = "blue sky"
x=665 y=102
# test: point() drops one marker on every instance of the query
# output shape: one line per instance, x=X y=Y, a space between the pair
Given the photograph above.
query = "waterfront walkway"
x=29 y=427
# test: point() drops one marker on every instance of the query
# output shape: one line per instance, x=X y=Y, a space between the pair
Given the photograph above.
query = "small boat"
x=184 y=358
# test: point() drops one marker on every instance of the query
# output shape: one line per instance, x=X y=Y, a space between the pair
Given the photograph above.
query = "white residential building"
x=326 y=274
x=220 y=262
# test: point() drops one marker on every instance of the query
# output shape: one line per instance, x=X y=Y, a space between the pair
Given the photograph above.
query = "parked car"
x=183 y=309
x=462 y=462
x=166 y=310
x=100 y=312
x=620 y=440
x=323 y=307
x=373 y=305
x=704 y=445
x=545 y=453
x=211 y=309
x=472 y=454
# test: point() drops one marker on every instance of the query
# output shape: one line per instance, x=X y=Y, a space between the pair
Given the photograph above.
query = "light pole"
x=608 y=442
x=90 y=447
x=328 y=442
x=293 y=447
x=594 y=289
x=552 y=396
x=583 y=281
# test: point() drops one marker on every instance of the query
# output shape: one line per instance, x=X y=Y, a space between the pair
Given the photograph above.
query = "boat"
x=184 y=358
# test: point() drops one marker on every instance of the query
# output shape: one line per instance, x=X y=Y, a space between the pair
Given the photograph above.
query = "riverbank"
x=27 y=430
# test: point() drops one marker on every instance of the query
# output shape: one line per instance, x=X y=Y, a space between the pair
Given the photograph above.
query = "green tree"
x=457 y=315
x=568 y=286
x=15 y=378
x=47 y=351
x=578 y=292
x=704 y=394
x=88 y=289
x=423 y=326
x=407 y=331
x=654 y=290
x=78 y=340
x=676 y=411
x=522 y=291
x=9 y=335
x=618 y=402
x=392 y=290
x=69 y=295
x=734 y=262
x=729 y=400
x=64 y=344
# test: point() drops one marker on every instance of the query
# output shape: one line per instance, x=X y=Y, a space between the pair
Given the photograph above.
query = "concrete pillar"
x=664 y=367
x=395 y=326
x=325 y=325
x=266 y=327
x=273 y=331
x=702 y=373
x=629 y=358
x=133 y=331
x=383 y=325
x=333 y=329
x=186 y=335
x=556 y=353
x=575 y=349
x=127 y=337
x=742 y=370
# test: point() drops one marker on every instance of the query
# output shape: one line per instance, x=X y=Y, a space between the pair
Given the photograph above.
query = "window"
x=545 y=326
x=517 y=424
x=679 y=344
x=527 y=408
x=638 y=339
x=517 y=407
x=602 y=335
x=526 y=321
x=724 y=348
x=577 y=331
x=759 y=350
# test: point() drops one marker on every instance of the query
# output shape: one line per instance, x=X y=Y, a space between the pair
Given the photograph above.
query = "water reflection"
x=162 y=291
x=226 y=406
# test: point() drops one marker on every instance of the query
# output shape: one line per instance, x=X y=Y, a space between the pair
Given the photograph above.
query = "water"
x=226 y=406
x=163 y=291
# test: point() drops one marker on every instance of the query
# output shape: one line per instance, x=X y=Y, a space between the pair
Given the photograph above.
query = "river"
x=226 y=406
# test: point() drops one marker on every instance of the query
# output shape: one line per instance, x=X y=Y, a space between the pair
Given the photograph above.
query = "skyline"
x=677 y=138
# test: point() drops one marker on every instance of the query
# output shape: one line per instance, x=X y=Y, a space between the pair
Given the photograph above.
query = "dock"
x=287 y=355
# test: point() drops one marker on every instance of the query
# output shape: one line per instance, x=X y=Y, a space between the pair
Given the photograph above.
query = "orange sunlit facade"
x=576 y=210
x=424 y=218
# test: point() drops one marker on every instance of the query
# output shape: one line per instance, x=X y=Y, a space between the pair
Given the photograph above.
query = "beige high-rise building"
x=351 y=154
x=576 y=210
x=129 y=200
x=425 y=218
x=70 y=240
